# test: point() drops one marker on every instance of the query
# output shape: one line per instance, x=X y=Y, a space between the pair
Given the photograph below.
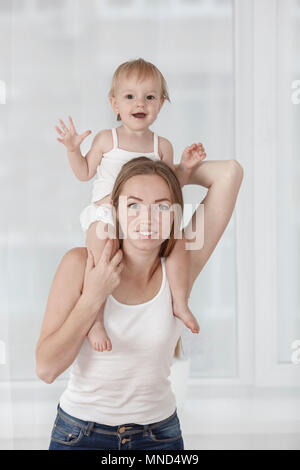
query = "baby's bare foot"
x=187 y=317
x=98 y=338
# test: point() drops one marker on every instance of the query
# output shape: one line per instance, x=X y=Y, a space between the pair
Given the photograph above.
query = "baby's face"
x=138 y=102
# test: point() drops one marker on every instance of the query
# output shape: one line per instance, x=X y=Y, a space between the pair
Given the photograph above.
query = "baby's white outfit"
x=107 y=172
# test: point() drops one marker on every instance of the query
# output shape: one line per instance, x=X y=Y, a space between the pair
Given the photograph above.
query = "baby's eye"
x=150 y=97
x=129 y=96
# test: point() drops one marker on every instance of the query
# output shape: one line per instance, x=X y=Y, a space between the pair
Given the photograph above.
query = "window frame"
x=256 y=148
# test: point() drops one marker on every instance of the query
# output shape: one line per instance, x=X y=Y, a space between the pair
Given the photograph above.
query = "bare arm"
x=70 y=313
x=84 y=168
x=78 y=164
x=67 y=319
x=223 y=180
x=168 y=157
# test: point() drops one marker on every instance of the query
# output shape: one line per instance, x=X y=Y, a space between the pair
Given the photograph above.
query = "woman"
x=122 y=399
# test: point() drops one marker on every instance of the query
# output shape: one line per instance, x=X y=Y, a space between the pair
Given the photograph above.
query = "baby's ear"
x=113 y=104
x=162 y=100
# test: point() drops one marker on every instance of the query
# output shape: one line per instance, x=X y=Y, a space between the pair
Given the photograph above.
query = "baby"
x=137 y=93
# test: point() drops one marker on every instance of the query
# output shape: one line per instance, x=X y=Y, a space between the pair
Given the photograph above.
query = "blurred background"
x=234 y=84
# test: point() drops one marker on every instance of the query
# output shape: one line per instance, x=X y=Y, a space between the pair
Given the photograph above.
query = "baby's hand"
x=192 y=156
x=70 y=138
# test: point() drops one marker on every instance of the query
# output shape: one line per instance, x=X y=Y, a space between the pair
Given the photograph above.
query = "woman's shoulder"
x=76 y=255
x=73 y=264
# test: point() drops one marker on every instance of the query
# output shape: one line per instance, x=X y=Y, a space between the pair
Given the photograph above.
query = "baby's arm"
x=84 y=168
x=178 y=260
x=93 y=157
x=180 y=170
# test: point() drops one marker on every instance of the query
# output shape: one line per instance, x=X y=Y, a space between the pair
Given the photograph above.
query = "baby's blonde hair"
x=143 y=69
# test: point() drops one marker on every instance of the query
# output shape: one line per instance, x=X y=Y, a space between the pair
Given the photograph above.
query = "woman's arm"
x=70 y=313
x=67 y=319
x=223 y=179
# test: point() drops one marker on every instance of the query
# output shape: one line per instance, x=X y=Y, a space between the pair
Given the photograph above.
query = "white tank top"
x=111 y=164
x=128 y=384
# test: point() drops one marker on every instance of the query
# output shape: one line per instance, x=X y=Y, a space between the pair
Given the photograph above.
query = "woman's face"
x=145 y=211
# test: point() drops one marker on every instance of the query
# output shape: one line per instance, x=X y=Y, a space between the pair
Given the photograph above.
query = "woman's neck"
x=139 y=264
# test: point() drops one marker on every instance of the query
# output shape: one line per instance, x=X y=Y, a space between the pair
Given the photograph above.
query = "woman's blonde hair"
x=142 y=69
x=146 y=166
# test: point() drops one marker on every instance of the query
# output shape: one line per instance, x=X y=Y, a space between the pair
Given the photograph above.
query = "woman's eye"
x=132 y=204
x=162 y=207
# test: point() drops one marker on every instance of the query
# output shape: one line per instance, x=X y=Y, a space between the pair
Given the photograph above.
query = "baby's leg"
x=177 y=267
x=97 y=334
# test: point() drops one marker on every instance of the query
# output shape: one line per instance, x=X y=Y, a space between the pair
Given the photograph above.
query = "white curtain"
x=57 y=59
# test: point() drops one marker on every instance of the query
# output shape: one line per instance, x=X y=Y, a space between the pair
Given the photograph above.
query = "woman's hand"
x=102 y=279
x=192 y=156
x=70 y=138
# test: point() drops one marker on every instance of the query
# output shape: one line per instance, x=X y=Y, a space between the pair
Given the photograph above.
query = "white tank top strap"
x=115 y=138
x=163 y=268
x=156 y=144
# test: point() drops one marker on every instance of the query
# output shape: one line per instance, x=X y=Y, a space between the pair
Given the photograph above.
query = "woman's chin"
x=148 y=243
x=151 y=242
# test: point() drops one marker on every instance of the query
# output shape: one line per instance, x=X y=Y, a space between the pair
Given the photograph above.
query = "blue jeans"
x=70 y=433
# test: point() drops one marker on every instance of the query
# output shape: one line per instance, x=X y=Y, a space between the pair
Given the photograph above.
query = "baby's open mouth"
x=139 y=115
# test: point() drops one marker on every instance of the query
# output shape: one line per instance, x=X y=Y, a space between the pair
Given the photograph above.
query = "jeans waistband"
x=90 y=425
